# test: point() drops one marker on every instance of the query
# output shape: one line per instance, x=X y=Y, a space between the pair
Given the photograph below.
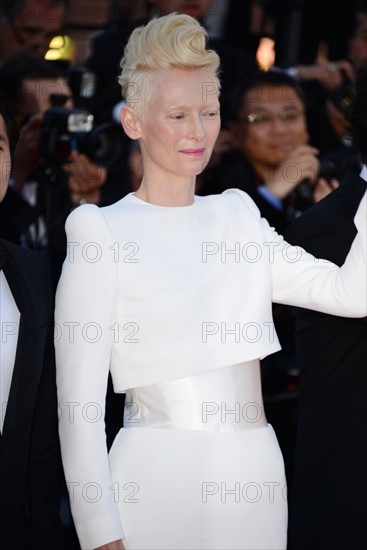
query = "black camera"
x=343 y=97
x=336 y=164
x=64 y=130
x=302 y=196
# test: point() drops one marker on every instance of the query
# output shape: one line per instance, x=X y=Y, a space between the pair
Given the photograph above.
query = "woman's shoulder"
x=83 y=214
x=241 y=198
x=87 y=223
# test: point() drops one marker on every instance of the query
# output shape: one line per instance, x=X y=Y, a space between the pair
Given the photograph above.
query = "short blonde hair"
x=172 y=41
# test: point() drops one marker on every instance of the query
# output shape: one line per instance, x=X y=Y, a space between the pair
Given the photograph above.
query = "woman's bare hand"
x=115 y=545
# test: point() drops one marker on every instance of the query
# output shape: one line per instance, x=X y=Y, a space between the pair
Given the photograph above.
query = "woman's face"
x=180 y=124
x=5 y=163
x=279 y=128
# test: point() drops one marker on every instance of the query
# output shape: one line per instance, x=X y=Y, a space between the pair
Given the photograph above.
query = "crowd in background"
x=284 y=137
x=303 y=154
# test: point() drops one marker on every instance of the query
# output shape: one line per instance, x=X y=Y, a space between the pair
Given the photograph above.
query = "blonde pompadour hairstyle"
x=172 y=41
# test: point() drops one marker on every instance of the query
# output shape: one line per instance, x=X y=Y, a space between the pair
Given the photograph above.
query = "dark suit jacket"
x=328 y=505
x=29 y=453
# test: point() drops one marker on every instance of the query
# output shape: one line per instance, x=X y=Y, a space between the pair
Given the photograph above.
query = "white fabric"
x=363 y=173
x=135 y=295
x=9 y=323
x=169 y=468
x=223 y=400
x=221 y=481
x=190 y=489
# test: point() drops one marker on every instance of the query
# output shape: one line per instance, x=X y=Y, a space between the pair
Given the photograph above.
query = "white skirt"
x=186 y=489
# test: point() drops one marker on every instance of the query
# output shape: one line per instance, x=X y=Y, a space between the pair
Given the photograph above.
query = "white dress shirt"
x=9 y=324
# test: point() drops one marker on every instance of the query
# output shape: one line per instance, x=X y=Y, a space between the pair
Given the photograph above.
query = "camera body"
x=343 y=97
x=64 y=130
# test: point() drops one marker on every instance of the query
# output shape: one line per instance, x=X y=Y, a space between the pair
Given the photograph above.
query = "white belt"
x=226 y=399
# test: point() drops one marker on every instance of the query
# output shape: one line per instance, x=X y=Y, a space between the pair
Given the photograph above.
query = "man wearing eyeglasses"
x=28 y=24
x=269 y=127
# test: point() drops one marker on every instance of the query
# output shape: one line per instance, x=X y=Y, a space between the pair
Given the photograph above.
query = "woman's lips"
x=193 y=152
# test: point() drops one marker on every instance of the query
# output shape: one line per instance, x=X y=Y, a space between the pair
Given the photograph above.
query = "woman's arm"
x=300 y=279
x=321 y=285
x=85 y=310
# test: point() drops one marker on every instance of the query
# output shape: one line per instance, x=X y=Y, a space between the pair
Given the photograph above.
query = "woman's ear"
x=130 y=122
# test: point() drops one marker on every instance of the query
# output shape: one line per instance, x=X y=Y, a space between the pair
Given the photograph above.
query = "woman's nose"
x=196 y=129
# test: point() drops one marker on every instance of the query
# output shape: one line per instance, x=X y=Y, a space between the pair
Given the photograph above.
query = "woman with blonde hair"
x=172 y=293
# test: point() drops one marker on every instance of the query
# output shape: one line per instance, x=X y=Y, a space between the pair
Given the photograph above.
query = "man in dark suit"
x=29 y=453
x=328 y=506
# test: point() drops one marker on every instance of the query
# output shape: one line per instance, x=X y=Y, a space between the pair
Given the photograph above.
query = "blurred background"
x=59 y=63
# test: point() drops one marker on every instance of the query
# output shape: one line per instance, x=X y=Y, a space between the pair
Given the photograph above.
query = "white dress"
x=197 y=466
x=176 y=303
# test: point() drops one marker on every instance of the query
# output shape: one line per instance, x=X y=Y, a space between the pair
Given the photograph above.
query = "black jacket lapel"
x=25 y=379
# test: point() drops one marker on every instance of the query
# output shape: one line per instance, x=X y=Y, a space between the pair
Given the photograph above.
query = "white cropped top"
x=156 y=294
x=171 y=292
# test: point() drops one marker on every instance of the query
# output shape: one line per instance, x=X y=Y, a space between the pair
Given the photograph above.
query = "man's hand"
x=85 y=179
x=301 y=164
x=323 y=188
x=331 y=75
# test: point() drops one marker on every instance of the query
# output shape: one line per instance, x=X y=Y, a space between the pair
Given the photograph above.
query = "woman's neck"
x=167 y=195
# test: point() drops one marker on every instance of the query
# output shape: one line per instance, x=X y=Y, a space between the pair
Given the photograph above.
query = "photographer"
x=274 y=161
x=51 y=181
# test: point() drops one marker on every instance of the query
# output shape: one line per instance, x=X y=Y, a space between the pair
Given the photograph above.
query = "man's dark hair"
x=25 y=64
x=8 y=117
x=260 y=79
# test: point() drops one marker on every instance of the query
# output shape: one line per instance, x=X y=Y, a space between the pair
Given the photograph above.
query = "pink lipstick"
x=193 y=152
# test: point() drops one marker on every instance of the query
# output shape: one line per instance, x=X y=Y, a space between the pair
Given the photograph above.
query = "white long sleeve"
x=301 y=280
x=85 y=309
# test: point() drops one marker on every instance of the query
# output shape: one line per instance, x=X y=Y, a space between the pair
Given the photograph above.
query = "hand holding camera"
x=301 y=164
x=85 y=178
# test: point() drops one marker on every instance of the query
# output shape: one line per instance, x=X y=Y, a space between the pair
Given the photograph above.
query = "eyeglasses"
x=267 y=118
